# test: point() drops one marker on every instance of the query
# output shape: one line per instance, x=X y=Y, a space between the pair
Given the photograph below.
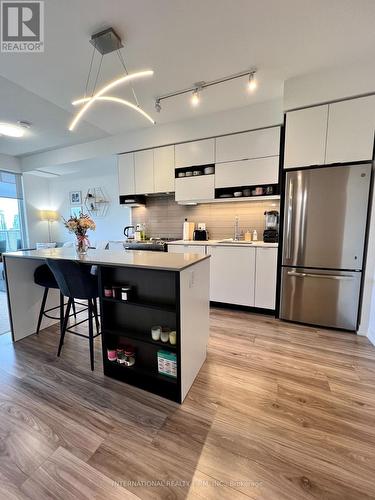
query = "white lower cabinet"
x=265 y=277
x=200 y=249
x=244 y=276
x=232 y=275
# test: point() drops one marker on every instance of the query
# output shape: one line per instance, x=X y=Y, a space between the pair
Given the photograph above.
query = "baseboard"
x=371 y=336
x=257 y=310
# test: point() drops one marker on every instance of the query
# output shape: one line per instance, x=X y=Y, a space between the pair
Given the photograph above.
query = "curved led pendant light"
x=107 y=42
x=119 y=101
x=103 y=90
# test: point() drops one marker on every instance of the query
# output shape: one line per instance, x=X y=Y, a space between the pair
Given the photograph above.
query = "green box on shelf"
x=167 y=363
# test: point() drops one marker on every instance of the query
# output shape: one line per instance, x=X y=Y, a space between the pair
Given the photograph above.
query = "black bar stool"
x=44 y=277
x=76 y=281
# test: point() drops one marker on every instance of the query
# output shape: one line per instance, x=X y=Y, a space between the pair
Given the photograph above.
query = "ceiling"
x=183 y=42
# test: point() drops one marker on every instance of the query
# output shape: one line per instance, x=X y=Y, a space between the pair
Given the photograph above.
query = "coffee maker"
x=271 y=232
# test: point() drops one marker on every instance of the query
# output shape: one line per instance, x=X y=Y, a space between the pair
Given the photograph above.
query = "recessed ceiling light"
x=11 y=130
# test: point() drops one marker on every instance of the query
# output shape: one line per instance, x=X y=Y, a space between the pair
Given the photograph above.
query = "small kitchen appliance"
x=271 y=232
x=200 y=234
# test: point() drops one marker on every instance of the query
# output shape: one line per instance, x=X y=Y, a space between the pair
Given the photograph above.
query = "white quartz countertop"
x=122 y=258
x=224 y=242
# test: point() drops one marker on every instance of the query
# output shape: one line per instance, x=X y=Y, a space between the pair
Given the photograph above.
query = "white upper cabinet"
x=126 y=174
x=193 y=153
x=305 y=137
x=198 y=188
x=265 y=277
x=247 y=172
x=144 y=171
x=164 y=169
x=351 y=126
x=247 y=145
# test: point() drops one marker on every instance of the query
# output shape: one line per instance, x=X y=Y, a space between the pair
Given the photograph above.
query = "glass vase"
x=82 y=245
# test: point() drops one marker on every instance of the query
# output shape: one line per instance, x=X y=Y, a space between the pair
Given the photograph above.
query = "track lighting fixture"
x=197 y=88
x=252 y=83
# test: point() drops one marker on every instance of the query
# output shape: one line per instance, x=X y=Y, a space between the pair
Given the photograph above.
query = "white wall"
x=258 y=115
x=368 y=301
x=371 y=324
x=329 y=85
x=10 y=163
x=102 y=173
x=36 y=198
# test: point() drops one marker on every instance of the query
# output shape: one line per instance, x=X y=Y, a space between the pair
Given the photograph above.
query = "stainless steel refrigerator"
x=324 y=231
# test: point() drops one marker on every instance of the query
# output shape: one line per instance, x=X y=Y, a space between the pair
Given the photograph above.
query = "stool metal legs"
x=42 y=307
x=92 y=314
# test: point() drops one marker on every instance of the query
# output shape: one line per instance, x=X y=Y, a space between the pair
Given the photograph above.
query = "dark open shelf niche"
x=155 y=302
x=198 y=167
x=145 y=373
x=164 y=386
x=146 y=337
x=148 y=305
x=231 y=190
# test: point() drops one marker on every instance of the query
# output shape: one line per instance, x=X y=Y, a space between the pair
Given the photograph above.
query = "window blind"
x=10 y=185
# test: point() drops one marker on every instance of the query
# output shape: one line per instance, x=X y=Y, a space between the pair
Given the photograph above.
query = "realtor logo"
x=22 y=26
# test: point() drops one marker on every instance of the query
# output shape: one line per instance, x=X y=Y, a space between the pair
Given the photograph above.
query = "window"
x=12 y=234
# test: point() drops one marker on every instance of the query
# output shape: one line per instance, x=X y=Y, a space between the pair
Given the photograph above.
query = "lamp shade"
x=49 y=215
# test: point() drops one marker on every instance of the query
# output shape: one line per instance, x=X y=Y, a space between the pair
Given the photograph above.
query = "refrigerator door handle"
x=325 y=276
x=289 y=220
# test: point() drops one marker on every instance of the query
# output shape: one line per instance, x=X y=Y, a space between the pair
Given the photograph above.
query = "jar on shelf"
x=112 y=354
x=129 y=356
x=164 y=334
x=155 y=333
x=115 y=292
x=108 y=291
x=120 y=356
x=125 y=292
x=172 y=337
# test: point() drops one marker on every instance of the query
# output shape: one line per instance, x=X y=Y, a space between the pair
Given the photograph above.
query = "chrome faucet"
x=236 y=229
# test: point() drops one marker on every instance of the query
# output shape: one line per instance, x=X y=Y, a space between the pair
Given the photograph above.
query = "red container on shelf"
x=112 y=354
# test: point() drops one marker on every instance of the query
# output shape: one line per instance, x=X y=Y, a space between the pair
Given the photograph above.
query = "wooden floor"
x=278 y=411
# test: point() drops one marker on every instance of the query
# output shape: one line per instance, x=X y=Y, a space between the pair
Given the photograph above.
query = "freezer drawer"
x=320 y=297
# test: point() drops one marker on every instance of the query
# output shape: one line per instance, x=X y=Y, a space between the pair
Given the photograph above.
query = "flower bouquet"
x=79 y=226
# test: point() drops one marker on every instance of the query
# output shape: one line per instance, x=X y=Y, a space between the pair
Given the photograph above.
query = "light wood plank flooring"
x=278 y=411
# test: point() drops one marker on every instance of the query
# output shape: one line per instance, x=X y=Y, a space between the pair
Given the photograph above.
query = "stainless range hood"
x=133 y=201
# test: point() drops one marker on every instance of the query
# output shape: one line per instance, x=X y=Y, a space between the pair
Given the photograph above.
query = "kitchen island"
x=170 y=290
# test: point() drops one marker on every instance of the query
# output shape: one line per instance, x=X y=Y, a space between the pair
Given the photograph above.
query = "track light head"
x=252 y=83
x=157 y=105
x=195 y=98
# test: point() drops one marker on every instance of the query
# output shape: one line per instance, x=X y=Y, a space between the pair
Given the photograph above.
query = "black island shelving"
x=167 y=298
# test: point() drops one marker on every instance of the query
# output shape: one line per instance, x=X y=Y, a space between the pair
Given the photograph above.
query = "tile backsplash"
x=164 y=217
